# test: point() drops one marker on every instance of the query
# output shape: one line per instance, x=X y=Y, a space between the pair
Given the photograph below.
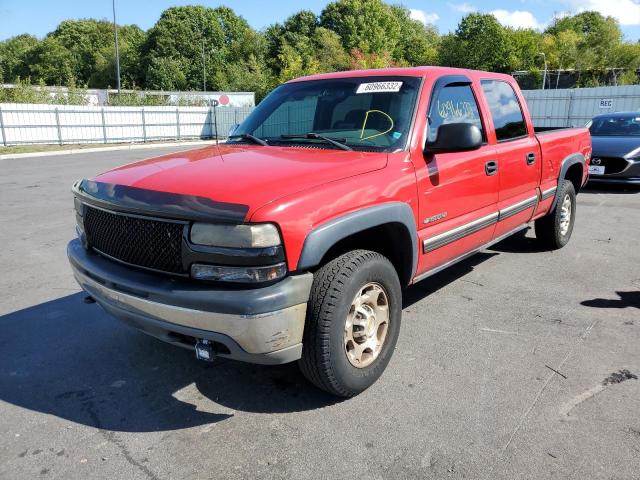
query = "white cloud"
x=517 y=18
x=627 y=12
x=463 y=7
x=422 y=16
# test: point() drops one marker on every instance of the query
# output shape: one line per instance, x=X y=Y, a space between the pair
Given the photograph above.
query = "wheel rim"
x=565 y=215
x=367 y=324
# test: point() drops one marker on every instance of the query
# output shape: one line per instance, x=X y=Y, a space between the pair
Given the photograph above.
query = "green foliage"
x=479 y=42
x=136 y=100
x=187 y=40
x=13 y=55
x=23 y=92
x=525 y=48
x=347 y=34
x=417 y=44
x=590 y=44
x=50 y=62
x=369 y=25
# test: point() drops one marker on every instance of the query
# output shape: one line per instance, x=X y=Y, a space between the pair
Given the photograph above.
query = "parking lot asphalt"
x=508 y=366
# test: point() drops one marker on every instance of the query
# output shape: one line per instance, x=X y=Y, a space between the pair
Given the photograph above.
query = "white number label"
x=377 y=87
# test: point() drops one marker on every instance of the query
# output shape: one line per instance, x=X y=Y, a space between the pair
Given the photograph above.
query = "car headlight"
x=235 y=236
x=79 y=214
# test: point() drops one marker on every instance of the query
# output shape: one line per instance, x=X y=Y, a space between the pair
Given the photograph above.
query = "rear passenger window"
x=505 y=110
x=453 y=104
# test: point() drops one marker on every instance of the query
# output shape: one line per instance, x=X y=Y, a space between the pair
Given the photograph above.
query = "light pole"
x=204 y=68
x=115 y=31
x=544 y=79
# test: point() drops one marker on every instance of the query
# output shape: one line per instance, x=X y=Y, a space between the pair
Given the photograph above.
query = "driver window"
x=453 y=104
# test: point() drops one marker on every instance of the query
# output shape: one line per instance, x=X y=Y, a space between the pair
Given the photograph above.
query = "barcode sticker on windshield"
x=377 y=87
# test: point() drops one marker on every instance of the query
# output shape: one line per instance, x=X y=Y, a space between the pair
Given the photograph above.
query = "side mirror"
x=455 y=137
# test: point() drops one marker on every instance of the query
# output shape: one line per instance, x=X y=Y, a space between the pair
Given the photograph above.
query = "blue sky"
x=39 y=17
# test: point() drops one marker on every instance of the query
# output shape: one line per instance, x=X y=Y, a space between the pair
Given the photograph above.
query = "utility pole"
x=204 y=68
x=544 y=79
x=115 y=31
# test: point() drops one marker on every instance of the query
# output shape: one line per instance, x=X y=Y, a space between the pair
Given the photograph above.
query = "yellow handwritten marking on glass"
x=366 y=117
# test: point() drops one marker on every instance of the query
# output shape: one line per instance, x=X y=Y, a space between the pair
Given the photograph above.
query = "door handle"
x=491 y=167
x=531 y=158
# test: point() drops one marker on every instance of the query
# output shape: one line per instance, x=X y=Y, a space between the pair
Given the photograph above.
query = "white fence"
x=100 y=96
x=576 y=106
x=64 y=124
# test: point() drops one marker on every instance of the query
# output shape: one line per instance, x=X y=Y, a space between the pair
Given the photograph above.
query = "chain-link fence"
x=66 y=124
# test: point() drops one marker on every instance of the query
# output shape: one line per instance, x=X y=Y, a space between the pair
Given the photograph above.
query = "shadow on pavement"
x=626 y=299
x=72 y=360
x=604 y=188
x=519 y=243
x=420 y=290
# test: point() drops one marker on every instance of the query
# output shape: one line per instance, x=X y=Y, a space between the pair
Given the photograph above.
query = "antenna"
x=214 y=104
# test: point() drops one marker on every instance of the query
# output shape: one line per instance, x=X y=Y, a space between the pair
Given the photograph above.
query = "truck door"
x=457 y=191
x=518 y=155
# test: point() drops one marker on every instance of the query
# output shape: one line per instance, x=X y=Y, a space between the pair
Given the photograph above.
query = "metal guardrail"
x=42 y=124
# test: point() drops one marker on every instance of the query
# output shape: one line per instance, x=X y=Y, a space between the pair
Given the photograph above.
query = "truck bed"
x=556 y=145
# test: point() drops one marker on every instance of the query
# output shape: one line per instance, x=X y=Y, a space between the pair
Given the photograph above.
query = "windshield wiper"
x=248 y=136
x=337 y=142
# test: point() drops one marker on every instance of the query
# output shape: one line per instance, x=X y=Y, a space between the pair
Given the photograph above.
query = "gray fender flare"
x=568 y=161
x=322 y=238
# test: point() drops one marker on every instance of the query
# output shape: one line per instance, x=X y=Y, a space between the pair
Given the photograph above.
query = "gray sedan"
x=616 y=148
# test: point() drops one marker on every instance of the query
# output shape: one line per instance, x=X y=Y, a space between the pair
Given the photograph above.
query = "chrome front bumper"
x=258 y=326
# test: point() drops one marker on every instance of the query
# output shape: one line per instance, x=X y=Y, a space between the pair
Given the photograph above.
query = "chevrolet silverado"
x=293 y=240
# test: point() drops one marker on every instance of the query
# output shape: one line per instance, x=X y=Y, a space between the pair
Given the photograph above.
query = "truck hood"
x=610 y=146
x=243 y=174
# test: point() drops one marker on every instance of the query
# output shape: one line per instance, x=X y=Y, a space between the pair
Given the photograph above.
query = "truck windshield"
x=615 y=126
x=361 y=113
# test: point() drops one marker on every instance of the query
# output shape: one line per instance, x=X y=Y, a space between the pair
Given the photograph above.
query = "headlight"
x=238 y=274
x=235 y=236
x=79 y=212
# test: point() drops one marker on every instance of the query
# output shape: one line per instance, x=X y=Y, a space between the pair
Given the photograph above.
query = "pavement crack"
x=524 y=417
x=493 y=330
x=111 y=437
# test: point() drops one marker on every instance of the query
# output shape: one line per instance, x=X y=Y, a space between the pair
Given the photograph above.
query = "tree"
x=13 y=54
x=525 y=48
x=51 y=63
x=164 y=73
x=300 y=46
x=592 y=45
x=479 y=42
x=249 y=72
x=178 y=39
x=369 y=25
x=347 y=34
x=417 y=43
x=130 y=40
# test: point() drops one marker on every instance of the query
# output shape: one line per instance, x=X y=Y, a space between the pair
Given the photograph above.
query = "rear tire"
x=554 y=229
x=353 y=322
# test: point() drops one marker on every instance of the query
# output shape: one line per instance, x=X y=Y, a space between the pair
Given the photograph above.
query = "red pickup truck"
x=293 y=240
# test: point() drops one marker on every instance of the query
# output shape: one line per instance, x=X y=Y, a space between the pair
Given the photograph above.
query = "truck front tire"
x=353 y=322
x=554 y=230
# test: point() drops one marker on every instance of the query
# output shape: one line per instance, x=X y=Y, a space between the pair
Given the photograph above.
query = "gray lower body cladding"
x=258 y=325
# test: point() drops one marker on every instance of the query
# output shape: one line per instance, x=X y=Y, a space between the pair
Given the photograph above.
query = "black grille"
x=612 y=164
x=137 y=241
